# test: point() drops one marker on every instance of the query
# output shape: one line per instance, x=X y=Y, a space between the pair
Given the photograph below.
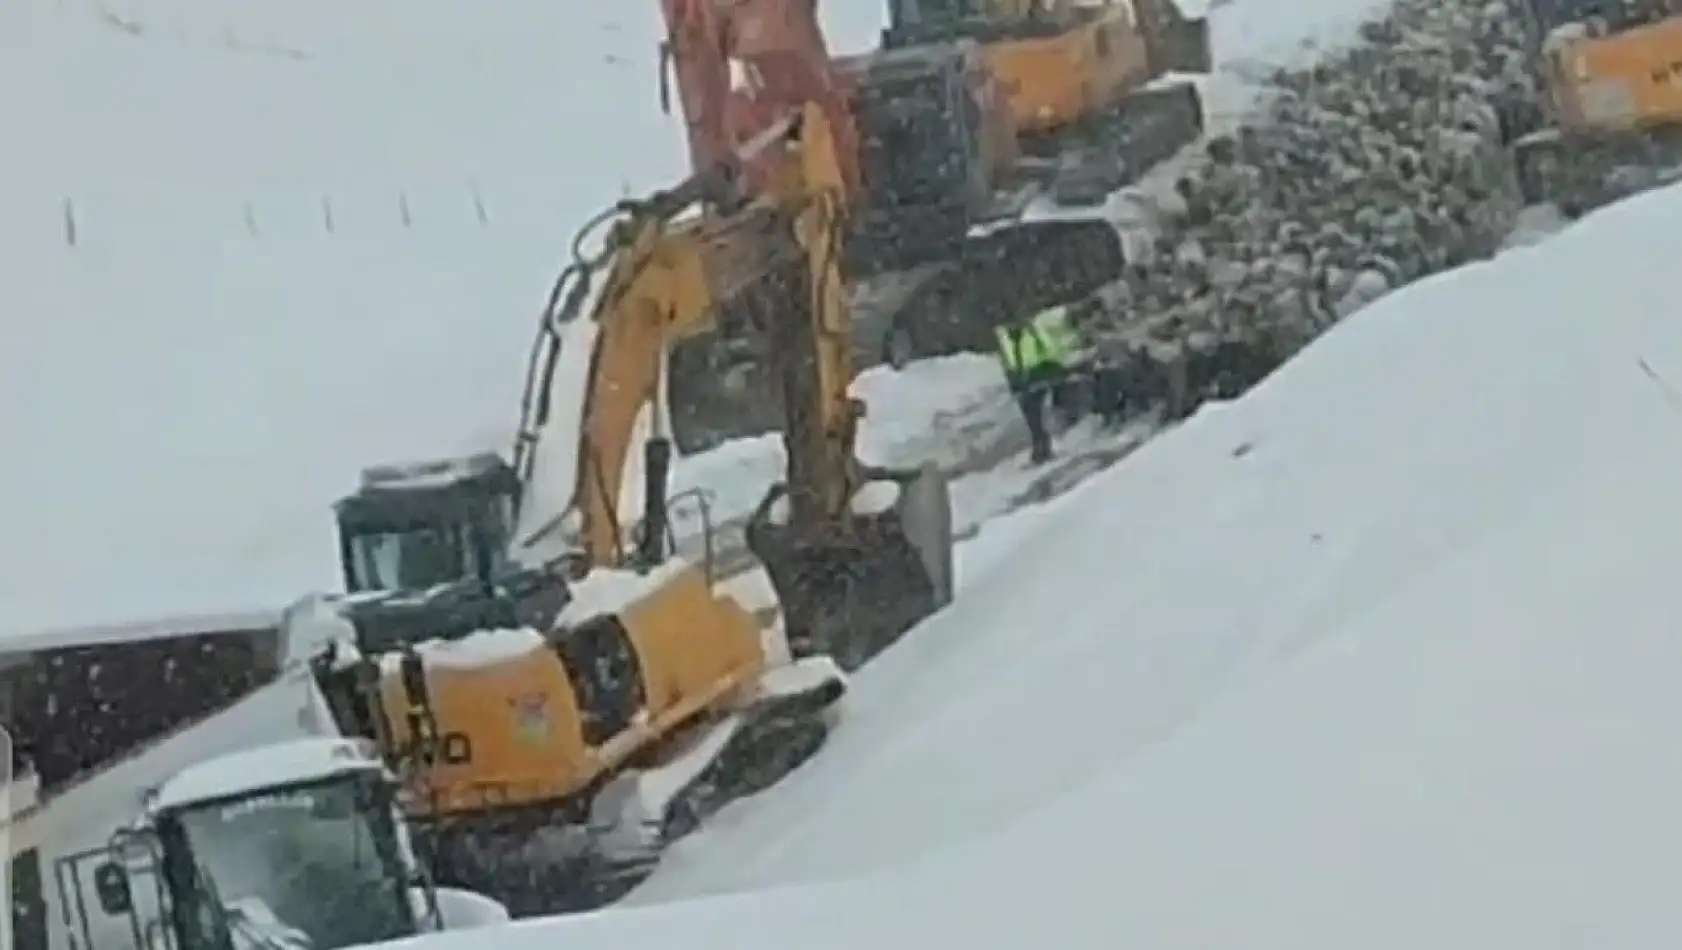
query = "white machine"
x=292 y=846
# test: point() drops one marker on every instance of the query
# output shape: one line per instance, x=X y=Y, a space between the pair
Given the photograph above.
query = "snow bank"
x=1377 y=656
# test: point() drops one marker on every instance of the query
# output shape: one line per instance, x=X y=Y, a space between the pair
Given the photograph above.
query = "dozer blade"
x=1026 y=266
x=853 y=595
x=1017 y=268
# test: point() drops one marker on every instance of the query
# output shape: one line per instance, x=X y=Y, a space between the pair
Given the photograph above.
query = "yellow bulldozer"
x=1085 y=86
x=1610 y=81
x=562 y=694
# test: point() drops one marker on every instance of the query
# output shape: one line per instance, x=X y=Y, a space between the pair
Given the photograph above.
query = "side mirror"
x=110 y=882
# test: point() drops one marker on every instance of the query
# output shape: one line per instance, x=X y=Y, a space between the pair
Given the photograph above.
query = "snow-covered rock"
x=1370 y=168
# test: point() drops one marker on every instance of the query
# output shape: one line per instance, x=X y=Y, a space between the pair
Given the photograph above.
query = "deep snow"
x=1380 y=655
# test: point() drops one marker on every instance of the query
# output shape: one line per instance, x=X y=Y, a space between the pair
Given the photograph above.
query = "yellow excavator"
x=1610 y=77
x=561 y=693
x=1083 y=83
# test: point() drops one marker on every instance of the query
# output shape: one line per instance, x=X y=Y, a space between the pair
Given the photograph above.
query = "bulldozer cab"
x=317 y=862
x=412 y=528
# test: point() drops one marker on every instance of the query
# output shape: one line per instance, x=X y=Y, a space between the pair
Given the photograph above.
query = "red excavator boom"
x=742 y=66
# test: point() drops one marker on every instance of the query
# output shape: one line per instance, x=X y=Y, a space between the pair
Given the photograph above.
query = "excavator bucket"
x=853 y=594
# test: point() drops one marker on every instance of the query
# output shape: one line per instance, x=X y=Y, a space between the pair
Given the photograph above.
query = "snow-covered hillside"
x=307 y=237
x=1381 y=655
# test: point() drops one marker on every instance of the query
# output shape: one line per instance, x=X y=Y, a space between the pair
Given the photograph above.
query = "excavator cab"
x=414 y=527
x=424 y=552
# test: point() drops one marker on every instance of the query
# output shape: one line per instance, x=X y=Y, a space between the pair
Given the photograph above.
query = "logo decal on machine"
x=531 y=716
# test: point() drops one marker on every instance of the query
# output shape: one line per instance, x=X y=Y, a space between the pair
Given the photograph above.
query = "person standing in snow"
x=1036 y=354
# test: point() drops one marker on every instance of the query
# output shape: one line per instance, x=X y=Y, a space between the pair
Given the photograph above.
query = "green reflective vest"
x=1053 y=326
x=1046 y=340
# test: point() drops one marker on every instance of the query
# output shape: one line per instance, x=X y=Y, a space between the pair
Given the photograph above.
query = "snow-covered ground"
x=1381 y=655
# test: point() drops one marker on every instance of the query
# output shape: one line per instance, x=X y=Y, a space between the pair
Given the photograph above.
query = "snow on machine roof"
x=270 y=766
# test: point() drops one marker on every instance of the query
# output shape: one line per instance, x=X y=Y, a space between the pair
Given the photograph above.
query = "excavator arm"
x=857 y=555
x=741 y=66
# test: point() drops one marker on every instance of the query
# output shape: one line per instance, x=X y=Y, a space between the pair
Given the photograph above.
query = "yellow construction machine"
x=1085 y=83
x=970 y=116
x=1610 y=78
x=562 y=694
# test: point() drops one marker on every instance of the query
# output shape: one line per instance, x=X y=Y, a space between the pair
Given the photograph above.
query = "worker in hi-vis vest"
x=1036 y=354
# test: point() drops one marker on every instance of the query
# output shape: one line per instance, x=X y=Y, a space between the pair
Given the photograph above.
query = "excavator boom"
x=770 y=270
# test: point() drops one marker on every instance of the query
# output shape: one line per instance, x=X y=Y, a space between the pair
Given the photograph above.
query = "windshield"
x=314 y=867
x=415 y=559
